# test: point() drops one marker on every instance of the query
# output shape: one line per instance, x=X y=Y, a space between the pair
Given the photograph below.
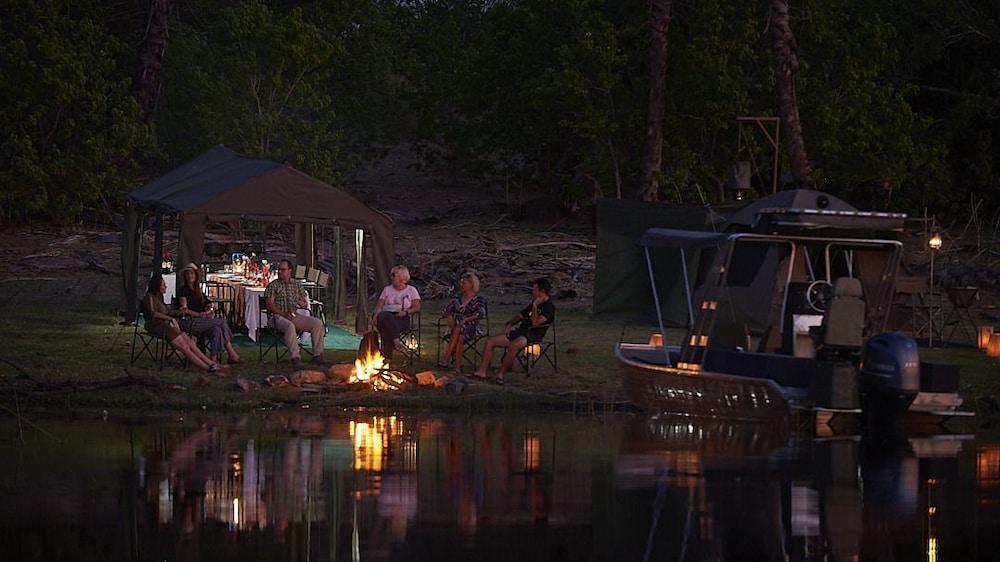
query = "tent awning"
x=681 y=239
x=206 y=177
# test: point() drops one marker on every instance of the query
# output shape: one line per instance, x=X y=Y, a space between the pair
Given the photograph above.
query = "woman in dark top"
x=160 y=322
x=463 y=313
x=201 y=317
x=531 y=325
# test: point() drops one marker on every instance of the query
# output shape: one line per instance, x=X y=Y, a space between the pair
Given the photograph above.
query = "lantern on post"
x=983 y=337
x=935 y=240
x=935 y=244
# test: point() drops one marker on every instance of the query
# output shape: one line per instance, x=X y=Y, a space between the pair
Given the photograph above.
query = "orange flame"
x=371 y=368
x=367 y=366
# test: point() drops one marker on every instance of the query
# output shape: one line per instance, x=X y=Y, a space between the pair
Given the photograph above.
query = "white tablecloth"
x=252 y=312
x=171 y=280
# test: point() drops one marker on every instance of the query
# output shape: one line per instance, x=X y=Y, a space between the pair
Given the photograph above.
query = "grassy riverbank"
x=76 y=356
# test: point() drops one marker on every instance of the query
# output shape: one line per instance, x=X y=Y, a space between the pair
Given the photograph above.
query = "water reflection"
x=350 y=488
x=373 y=487
x=751 y=492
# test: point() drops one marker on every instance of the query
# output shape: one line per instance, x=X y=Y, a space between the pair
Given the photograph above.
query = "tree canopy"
x=532 y=93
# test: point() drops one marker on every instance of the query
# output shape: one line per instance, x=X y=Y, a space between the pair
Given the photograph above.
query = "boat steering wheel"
x=818 y=294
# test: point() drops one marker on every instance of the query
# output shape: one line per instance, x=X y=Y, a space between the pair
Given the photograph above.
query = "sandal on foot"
x=498 y=381
x=213 y=368
x=478 y=376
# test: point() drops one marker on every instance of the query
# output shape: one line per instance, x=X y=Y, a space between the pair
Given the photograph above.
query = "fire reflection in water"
x=988 y=473
x=355 y=481
x=209 y=476
x=235 y=495
x=368 y=444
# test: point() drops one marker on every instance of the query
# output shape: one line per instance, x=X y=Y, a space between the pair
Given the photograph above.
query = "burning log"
x=340 y=373
x=371 y=368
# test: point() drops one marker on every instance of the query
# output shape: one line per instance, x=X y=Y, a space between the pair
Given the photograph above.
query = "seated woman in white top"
x=396 y=304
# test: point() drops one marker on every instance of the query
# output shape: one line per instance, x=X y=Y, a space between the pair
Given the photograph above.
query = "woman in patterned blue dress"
x=463 y=314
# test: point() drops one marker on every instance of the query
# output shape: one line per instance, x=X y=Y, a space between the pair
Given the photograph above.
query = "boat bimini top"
x=759 y=280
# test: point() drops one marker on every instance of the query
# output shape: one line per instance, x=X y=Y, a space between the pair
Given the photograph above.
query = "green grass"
x=70 y=348
x=980 y=382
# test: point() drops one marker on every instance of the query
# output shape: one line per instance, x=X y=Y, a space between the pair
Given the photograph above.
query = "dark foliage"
x=898 y=101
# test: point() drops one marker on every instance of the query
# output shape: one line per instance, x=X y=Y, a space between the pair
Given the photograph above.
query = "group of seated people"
x=399 y=301
x=194 y=317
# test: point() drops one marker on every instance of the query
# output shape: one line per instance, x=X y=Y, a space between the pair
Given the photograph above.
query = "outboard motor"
x=889 y=376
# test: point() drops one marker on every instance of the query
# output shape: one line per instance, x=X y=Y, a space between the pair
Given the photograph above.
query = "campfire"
x=371 y=368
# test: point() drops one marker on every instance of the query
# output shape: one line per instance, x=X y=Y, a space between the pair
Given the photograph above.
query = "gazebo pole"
x=158 y=245
x=361 y=321
x=305 y=244
x=656 y=299
x=338 y=281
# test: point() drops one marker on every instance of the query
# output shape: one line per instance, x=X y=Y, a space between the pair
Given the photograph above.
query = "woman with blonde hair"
x=396 y=304
x=463 y=314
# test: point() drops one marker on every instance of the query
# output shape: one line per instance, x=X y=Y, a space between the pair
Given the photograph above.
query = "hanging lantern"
x=738 y=182
x=983 y=339
x=935 y=240
x=656 y=340
x=993 y=348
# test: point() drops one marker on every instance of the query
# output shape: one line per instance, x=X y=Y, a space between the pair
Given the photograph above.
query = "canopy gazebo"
x=222 y=186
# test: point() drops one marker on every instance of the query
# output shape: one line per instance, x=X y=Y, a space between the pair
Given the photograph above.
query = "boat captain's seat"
x=844 y=321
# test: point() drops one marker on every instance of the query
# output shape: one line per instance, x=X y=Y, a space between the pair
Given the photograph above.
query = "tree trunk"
x=786 y=66
x=153 y=46
x=652 y=157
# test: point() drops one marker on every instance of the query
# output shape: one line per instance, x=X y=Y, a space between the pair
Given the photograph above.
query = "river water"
x=364 y=486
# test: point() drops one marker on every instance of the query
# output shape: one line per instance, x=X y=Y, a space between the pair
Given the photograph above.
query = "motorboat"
x=786 y=313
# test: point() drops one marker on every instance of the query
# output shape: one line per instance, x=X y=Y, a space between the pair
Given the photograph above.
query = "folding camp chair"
x=223 y=295
x=155 y=347
x=312 y=279
x=317 y=298
x=470 y=353
x=276 y=339
x=531 y=354
x=410 y=338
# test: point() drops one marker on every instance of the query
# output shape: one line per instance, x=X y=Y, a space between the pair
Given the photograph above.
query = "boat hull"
x=663 y=390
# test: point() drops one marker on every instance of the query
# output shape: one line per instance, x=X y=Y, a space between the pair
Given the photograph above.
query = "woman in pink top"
x=396 y=304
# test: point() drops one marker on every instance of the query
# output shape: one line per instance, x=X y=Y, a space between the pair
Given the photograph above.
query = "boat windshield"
x=773 y=286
